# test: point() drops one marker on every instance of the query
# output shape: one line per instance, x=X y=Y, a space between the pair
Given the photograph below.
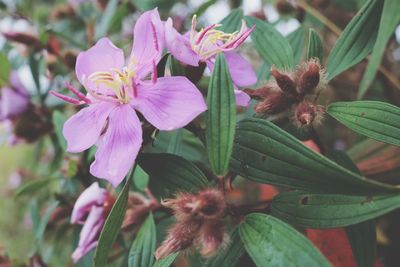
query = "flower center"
x=208 y=41
x=121 y=82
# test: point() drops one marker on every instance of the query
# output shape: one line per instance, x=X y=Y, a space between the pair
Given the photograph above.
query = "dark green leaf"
x=270 y=44
x=34 y=64
x=170 y=174
x=315 y=48
x=271 y=242
x=297 y=39
x=175 y=67
x=112 y=226
x=106 y=19
x=175 y=142
x=5 y=68
x=357 y=39
x=221 y=117
x=267 y=154
x=167 y=261
x=377 y=120
x=330 y=211
x=389 y=21
x=58 y=122
x=232 y=22
x=362 y=238
x=230 y=255
x=144 y=245
x=140 y=179
x=33 y=186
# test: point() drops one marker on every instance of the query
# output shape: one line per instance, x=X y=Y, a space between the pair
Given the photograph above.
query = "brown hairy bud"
x=306 y=114
x=274 y=103
x=24 y=38
x=260 y=93
x=212 y=236
x=309 y=78
x=285 y=82
x=180 y=236
x=211 y=204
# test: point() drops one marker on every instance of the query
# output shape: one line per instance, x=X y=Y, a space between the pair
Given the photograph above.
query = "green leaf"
x=296 y=40
x=112 y=226
x=375 y=119
x=167 y=261
x=315 y=48
x=34 y=64
x=203 y=7
x=144 y=245
x=330 y=211
x=229 y=256
x=271 y=242
x=32 y=186
x=232 y=22
x=357 y=39
x=140 y=179
x=175 y=67
x=175 y=142
x=389 y=21
x=44 y=219
x=362 y=238
x=267 y=154
x=58 y=122
x=221 y=117
x=270 y=44
x=106 y=19
x=170 y=174
x=5 y=67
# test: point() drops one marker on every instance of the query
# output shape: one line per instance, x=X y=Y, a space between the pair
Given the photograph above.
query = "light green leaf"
x=362 y=238
x=41 y=226
x=271 y=242
x=315 y=48
x=170 y=174
x=5 y=68
x=144 y=245
x=267 y=154
x=232 y=22
x=330 y=211
x=106 y=19
x=357 y=39
x=297 y=40
x=32 y=186
x=221 y=117
x=58 y=122
x=270 y=44
x=377 y=120
x=390 y=19
x=112 y=226
x=229 y=256
x=167 y=261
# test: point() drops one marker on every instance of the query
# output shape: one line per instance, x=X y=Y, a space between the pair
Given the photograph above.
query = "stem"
x=335 y=29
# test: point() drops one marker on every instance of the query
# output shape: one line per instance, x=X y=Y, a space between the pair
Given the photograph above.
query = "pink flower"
x=14 y=99
x=90 y=209
x=115 y=91
x=202 y=46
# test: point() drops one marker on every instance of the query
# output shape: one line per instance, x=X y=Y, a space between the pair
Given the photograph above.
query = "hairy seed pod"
x=307 y=113
x=285 y=82
x=212 y=236
x=309 y=79
x=275 y=103
x=259 y=93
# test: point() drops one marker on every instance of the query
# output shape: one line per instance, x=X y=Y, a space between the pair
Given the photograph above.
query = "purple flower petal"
x=12 y=103
x=179 y=45
x=242 y=99
x=241 y=71
x=119 y=146
x=92 y=196
x=148 y=42
x=89 y=233
x=103 y=56
x=83 y=129
x=170 y=103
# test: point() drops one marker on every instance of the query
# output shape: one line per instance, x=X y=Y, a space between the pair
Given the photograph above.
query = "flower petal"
x=242 y=99
x=92 y=196
x=12 y=103
x=179 y=45
x=241 y=71
x=103 y=56
x=170 y=103
x=89 y=233
x=148 y=42
x=83 y=129
x=119 y=146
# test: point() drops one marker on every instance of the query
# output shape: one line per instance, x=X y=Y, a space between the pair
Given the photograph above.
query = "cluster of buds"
x=290 y=89
x=199 y=223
